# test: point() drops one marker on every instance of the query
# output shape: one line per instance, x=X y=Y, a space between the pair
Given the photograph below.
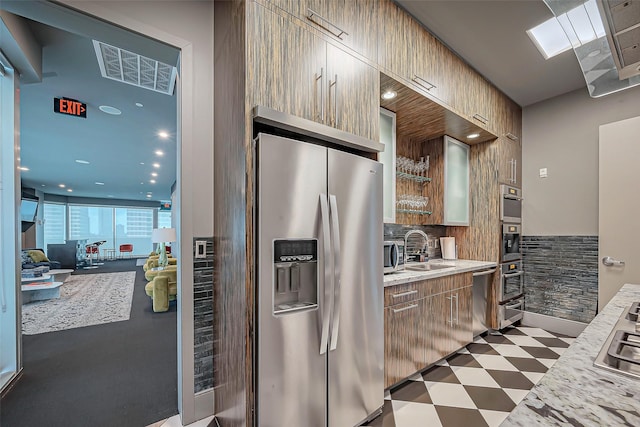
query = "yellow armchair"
x=162 y=289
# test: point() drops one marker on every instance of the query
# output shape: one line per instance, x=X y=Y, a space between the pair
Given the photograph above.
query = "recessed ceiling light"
x=142 y=163
x=99 y=183
x=23 y=168
x=159 y=153
x=83 y=162
x=110 y=110
x=153 y=181
x=154 y=174
x=42 y=185
x=142 y=183
x=149 y=195
x=156 y=165
x=69 y=190
x=473 y=135
x=138 y=104
x=390 y=94
x=163 y=134
x=61 y=185
x=110 y=195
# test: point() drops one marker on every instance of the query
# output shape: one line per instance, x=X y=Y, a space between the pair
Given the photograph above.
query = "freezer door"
x=356 y=356
x=291 y=367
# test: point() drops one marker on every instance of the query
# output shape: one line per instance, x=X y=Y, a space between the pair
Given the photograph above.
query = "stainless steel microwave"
x=510 y=204
x=393 y=256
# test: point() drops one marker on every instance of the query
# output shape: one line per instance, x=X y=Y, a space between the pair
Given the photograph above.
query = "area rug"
x=85 y=300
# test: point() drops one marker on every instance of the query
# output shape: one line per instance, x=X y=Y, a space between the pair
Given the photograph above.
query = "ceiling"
x=491 y=37
x=120 y=149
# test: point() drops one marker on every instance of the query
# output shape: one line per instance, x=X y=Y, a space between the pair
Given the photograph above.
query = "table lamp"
x=162 y=236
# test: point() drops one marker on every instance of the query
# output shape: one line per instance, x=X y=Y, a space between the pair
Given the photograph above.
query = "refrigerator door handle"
x=327 y=287
x=335 y=231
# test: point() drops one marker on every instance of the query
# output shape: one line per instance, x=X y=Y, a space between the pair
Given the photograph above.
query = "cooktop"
x=621 y=351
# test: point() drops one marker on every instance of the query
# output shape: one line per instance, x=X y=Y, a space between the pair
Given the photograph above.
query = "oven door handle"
x=518 y=304
x=509 y=275
x=513 y=197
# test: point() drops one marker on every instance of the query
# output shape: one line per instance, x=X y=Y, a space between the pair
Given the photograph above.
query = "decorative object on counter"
x=162 y=236
x=416 y=246
x=412 y=204
x=448 y=245
x=410 y=169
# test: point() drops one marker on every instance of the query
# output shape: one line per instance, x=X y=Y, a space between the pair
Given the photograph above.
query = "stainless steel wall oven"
x=511 y=235
x=510 y=204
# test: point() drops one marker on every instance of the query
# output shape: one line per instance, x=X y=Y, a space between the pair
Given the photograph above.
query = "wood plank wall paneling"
x=482 y=239
x=232 y=360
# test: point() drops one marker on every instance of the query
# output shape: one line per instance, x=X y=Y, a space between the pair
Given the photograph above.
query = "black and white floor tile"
x=478 y=386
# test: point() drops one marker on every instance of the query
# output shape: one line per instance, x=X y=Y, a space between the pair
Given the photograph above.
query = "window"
x=91 y=223
x=134 y=226
x=55 y=224
x=164 y=219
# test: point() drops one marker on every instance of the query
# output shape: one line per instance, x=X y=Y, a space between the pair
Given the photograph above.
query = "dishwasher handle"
x=484 y=272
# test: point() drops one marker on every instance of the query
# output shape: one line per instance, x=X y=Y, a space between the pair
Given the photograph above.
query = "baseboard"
x=553 y=324
x=204 y=404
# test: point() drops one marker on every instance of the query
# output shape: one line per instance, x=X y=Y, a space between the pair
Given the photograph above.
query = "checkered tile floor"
x=478 y=386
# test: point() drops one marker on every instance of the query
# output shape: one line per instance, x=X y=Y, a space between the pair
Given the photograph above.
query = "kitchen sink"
x=425 y=266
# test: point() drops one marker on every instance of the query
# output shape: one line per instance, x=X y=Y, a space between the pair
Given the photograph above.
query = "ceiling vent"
x=137 y=70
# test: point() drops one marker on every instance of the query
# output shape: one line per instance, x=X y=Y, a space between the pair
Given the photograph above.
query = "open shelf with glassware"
x=411 y=201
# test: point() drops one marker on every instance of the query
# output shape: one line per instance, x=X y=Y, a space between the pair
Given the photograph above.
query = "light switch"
x=543 y=172
x=201 y=249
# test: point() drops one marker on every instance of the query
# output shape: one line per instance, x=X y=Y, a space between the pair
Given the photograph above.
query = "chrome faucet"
x=415 y=246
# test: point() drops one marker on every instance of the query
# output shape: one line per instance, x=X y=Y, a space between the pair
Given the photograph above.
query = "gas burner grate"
x=623 y=341
x=634 y=311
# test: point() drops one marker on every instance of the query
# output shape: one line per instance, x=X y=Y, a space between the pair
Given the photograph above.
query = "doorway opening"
x=96 y=179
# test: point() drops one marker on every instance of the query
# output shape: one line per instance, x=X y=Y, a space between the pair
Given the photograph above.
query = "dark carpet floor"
x=117 y=374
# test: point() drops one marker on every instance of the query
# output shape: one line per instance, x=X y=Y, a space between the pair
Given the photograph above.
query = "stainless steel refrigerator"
x=320 y=330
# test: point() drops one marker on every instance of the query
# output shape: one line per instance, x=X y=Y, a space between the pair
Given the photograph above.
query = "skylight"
x=574 y=28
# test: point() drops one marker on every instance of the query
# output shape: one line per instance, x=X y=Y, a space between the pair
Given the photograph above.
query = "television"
x=28 y=210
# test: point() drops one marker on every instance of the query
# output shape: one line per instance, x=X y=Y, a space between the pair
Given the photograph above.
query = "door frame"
x=191 y=406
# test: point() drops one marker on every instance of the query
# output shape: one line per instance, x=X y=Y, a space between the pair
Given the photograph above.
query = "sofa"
x=33 y=258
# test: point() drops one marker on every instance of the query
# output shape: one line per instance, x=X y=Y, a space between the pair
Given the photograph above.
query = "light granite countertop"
x=574 y=392
x=457 y=266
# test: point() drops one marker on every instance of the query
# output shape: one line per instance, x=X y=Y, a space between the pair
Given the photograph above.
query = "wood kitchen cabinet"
x=425 y=321
x=410 y=52
x=297 y=72
x=351 y=23
x=509 y=145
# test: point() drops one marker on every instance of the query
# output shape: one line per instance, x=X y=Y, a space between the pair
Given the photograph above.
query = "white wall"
x=561 y=134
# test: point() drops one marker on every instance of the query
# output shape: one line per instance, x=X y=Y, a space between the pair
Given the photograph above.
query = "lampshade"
x=162 y=235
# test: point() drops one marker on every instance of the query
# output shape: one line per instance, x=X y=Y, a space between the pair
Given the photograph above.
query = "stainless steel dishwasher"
x=480 y=286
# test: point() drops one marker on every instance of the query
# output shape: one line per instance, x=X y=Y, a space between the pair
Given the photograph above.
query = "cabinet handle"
x=480 y=118
x=334 y=84
x=515 y=171
x=450 y=321
x=422 y=82
x=457 y=309
x=404 y=294
x=512 y=136
x=320 y=77
x=326 y=24
x=409 y=307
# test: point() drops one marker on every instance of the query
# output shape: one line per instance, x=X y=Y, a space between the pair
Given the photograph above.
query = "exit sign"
x=70 y=107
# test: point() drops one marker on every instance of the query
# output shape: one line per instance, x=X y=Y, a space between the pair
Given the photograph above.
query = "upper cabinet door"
x=353 y=23
x=288 y=66
x=433 y=66
x=353 y=94
x=456 y=182
x=397 y=31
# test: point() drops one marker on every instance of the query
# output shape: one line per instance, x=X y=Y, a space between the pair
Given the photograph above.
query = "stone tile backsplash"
x=561 y=276
x=203 y=317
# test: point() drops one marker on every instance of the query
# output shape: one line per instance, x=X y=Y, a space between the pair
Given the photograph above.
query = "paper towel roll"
x=448 y=247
